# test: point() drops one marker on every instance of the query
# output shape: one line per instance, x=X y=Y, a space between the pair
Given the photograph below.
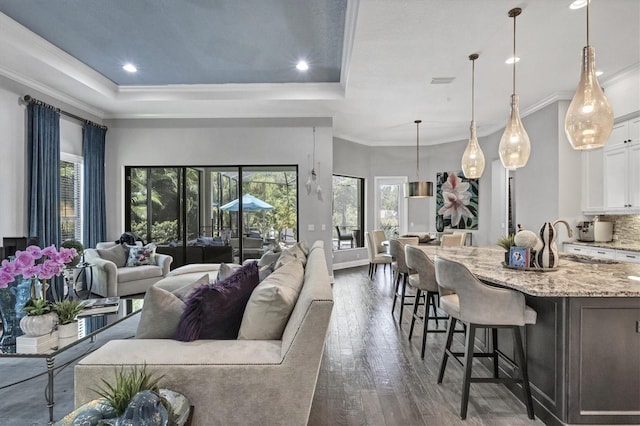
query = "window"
x=348 y=215
x=70 y=197
x=391 y=206
x=190 y=206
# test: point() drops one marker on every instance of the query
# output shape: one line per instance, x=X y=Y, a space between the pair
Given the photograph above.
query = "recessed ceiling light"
x=302 y=66
x=578 y=4
x=129 y=68
x=599 y=73
x=511 y=60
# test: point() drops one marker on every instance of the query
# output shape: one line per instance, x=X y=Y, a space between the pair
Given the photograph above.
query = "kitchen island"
x=584 y=351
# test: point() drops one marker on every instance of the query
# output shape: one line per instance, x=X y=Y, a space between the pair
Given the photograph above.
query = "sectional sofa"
x=234 y=382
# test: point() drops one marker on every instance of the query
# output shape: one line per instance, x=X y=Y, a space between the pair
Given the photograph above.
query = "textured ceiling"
x=371 y=61
x=193 y=42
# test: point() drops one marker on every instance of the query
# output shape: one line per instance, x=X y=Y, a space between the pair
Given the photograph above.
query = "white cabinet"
x=621 y=164
x=593 y=182
x=602 y=253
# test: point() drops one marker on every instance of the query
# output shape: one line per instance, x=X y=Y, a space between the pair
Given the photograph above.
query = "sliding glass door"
x=245 y=207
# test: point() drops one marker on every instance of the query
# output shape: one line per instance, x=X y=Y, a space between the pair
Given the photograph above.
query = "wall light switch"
x=323 y=227
x=311 y=227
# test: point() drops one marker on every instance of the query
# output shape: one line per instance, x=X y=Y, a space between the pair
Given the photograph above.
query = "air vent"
x=442 y=80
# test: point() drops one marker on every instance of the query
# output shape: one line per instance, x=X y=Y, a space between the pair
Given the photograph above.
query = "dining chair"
x=401 y=270
x=478 y=305
x=452 y=240
x=375 y=258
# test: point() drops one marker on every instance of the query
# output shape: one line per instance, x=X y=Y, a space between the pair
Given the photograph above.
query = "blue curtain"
x=43 y=139
x=95 y=215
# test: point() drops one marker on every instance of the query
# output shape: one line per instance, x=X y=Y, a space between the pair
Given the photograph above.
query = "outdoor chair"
x=344 y=236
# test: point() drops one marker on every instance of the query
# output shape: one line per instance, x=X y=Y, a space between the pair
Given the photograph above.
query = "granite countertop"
x=610 y=245
x=569 y=279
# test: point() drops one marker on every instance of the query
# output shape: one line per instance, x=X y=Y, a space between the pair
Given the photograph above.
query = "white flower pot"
x=67 y=333
x=39 y=325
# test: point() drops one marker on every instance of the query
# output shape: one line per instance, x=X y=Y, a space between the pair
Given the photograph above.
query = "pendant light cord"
x=588 y=22
x=418 y=149
x=473 y=90
x=514 y=54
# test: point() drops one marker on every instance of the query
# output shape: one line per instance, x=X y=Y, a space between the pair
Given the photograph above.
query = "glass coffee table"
x=89 y=327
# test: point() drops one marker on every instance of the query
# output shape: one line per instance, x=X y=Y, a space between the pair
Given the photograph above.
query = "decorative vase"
x=12 y=300
x=67 y=333
x=439 y=223
x=39 y=325
x=547 y=256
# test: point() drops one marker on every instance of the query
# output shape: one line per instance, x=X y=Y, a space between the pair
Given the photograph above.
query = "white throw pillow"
x=271 y=303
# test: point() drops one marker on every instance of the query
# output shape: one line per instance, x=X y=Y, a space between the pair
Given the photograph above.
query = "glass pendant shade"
x=473 y=157
x=589 y=119
x=418 y=188
x=514 y=145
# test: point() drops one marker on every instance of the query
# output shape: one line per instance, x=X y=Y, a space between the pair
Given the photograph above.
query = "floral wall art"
x=457 y=200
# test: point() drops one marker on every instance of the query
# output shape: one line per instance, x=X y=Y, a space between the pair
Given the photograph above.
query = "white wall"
x=216 y=142
x=13 y=170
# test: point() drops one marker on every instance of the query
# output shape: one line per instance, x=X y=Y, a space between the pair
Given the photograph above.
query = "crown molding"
x=622 y=74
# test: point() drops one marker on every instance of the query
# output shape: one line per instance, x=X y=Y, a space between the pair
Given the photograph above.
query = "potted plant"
x=40 y=318
x=133 y=396
x=74 y=244
x=506 y=242
x=67 y=310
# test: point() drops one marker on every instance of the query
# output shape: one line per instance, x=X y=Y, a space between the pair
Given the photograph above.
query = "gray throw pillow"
x=162 y=310
x=226 y=271
x=271 y=303
x=183 y=292
x=269 y=259
x=116 y=254
x=290 y=254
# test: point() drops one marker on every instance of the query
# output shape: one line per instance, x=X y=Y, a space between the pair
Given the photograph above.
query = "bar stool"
x=401 y=270
x=424 y=281
x=478 y=305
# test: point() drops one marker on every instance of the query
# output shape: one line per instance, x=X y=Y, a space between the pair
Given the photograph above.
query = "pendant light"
x=514 y=146
x=418 y=189
x=473 y=157
x=589 y=118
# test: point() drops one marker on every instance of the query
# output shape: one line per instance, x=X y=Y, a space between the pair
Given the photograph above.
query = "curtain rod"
x=31 y=100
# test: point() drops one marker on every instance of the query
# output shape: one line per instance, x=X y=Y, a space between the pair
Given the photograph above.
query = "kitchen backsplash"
x=626 y=228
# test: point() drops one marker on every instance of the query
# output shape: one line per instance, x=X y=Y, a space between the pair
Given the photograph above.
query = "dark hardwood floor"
x=371 y=374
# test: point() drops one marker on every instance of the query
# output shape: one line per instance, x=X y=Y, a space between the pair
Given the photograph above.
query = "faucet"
x=569 y=231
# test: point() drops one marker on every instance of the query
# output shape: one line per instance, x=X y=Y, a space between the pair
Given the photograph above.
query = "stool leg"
x=494 y=343
x=447 y=346
x=395 y=293
x=432 y=303
x=468 y=362
x=415 y=311
x=425 y=322
x=402 y=295
x=522 y=362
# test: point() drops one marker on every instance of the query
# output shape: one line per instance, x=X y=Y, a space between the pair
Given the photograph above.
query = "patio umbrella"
x=249 y=204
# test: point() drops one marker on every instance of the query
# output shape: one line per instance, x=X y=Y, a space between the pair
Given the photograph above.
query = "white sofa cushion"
x=271 y=303
x=137 y=273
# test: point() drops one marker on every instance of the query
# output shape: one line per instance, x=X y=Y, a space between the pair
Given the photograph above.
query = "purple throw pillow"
x=214 y=311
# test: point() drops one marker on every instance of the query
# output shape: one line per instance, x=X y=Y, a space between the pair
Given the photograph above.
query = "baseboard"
x=350 y=264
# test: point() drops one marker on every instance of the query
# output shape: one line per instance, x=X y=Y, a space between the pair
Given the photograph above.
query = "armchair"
x=115 y=279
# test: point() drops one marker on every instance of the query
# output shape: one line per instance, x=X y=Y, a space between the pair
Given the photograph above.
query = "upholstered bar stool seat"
x=400 y=271
x=424 y=282
x=477 y=305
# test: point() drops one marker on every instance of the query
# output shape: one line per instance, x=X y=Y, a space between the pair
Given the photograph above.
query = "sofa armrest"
x=105 y=274
x=164 y=261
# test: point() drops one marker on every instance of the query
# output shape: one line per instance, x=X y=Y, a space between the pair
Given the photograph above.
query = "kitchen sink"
x=588 y=259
